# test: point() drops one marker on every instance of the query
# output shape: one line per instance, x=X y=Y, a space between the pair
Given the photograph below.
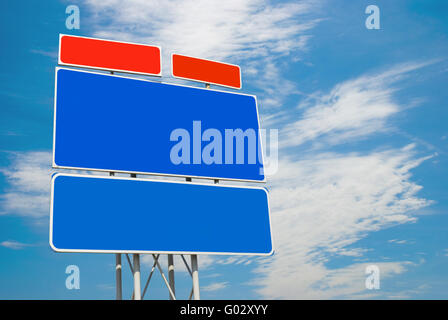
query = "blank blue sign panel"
x=109 y=214
x=111 y=123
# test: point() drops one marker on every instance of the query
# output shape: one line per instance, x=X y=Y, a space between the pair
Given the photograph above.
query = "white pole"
x=118 y=276
x=171 y=274
x=137 y=290
x=195 y=276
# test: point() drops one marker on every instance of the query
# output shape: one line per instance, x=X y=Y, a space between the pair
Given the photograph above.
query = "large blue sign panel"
x=112 y=123
x=109 y=214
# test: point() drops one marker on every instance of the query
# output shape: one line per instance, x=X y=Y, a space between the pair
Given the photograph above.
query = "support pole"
x=171 y=274
x=137 y=290
x=119 y=292
x=195 y=276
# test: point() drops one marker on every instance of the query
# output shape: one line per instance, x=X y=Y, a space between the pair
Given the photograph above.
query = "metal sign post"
x=171 y=274
x=195 y=276
x=118 y=281
x=136 y=264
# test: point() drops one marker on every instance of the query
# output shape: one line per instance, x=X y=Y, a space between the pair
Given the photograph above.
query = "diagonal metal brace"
x=164 y=278
x=156 y=258
x=130 y=263
x=186 y=265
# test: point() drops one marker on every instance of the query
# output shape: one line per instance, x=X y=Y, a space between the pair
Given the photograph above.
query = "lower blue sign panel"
x=109 y=214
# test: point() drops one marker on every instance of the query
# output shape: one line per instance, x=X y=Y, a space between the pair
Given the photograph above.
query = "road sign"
x=110 y=214
x=113 y=123
x=109 y=55
x=207 y=71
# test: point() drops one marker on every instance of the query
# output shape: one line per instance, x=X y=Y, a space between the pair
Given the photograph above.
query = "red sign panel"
x=109 y=55
x=207 y=71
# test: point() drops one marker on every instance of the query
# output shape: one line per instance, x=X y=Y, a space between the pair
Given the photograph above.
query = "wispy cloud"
x=322 y=205
x=215 y=286
x=209 y=28
x=51 y=54
x=396 y=241
x=354 y=109
x=28 y=177
x=325 y=202
x=251 y=33
x=349 y=282
x=12 y=244
x=106 y=287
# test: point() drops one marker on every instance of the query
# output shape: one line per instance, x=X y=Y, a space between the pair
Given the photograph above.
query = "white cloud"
x=28 y=177
x=51 y=54
x=396 y=241
x=211 y=29
x=352 y=110
x=105 y=286
x=250 y=33
x=349 y=282
x=326 y=202
x=272 y=87
x=12 y=244
x=215 y=286
x=29 y=180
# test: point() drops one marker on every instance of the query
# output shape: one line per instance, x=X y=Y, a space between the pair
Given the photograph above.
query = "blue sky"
x=363 y=142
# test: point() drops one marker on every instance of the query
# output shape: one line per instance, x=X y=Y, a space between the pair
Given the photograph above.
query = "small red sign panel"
x=109 y=55
x=207 y=71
